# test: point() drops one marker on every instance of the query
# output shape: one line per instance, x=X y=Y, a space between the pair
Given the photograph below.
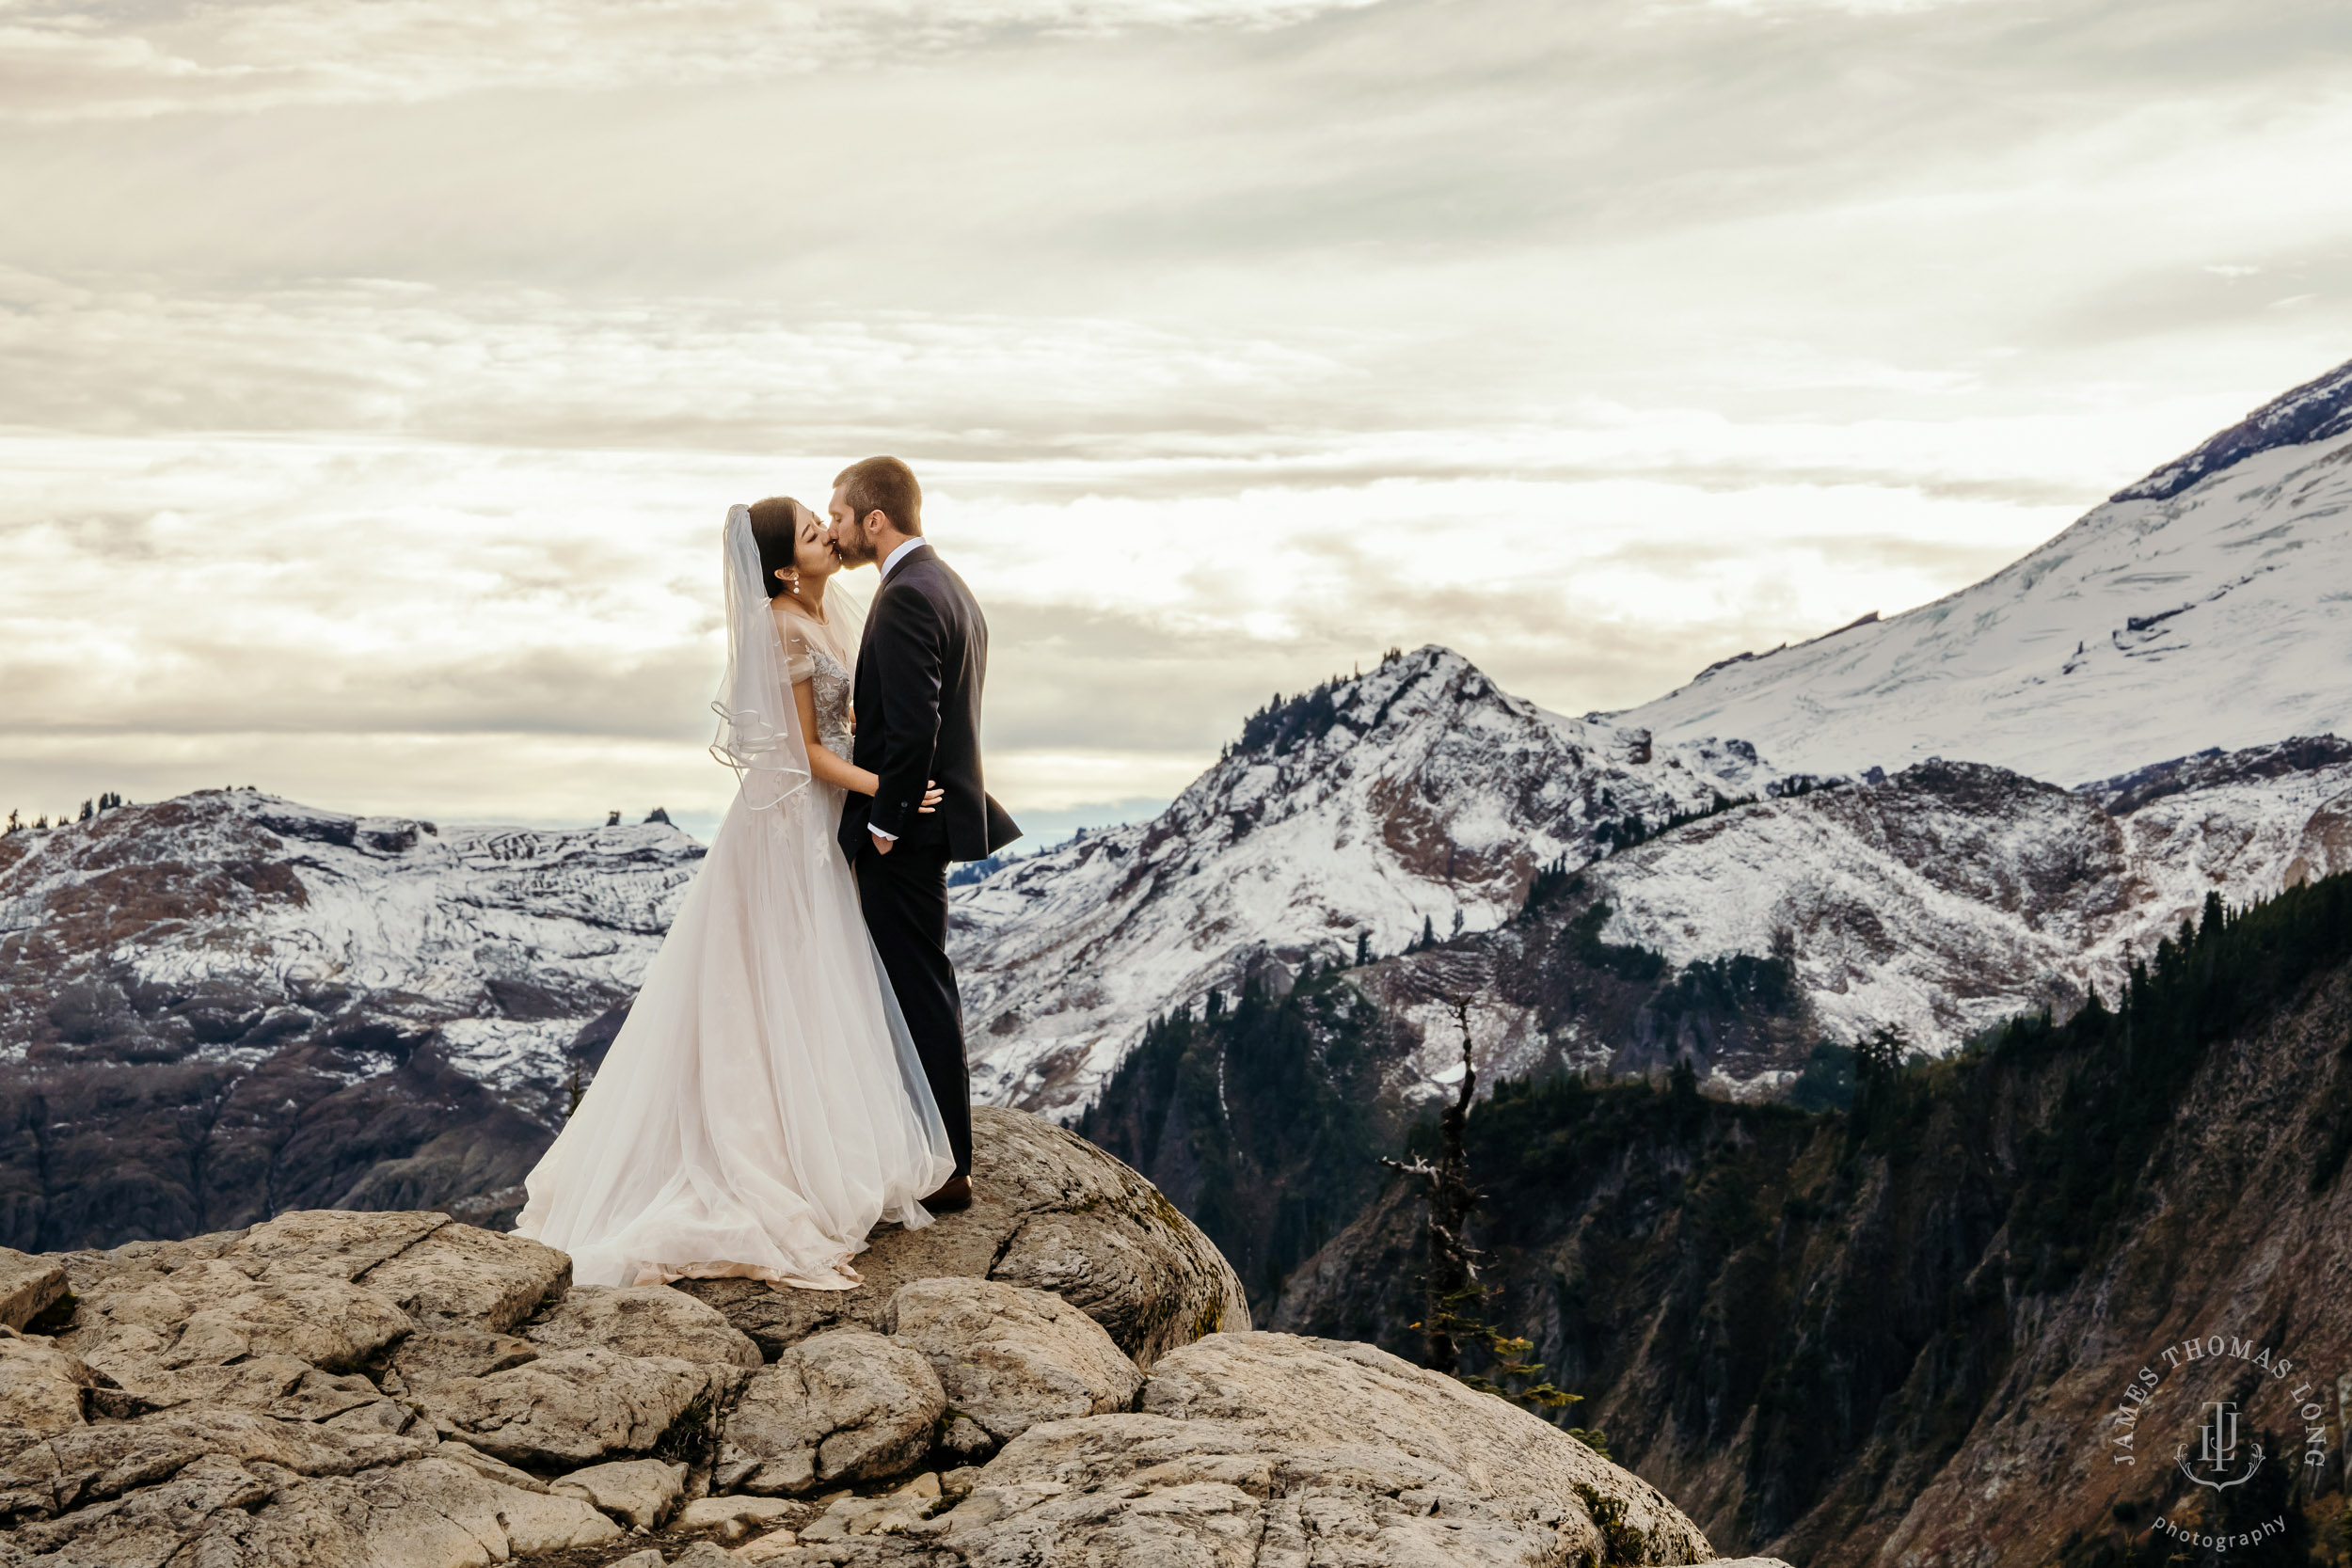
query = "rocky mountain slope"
x=1416 y=797
x=1937 y=903
x=1904 y=1333
x=1061 y=1374
x=219 y=1006
x=2208 y=605
x=1756 y=946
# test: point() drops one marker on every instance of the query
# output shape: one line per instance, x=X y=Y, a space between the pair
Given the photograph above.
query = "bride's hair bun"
x=776 y=529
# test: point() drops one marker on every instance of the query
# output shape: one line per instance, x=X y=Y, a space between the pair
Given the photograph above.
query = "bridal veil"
x=763 y=1107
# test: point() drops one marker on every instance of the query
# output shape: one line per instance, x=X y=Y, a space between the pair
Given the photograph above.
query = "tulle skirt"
x=763 y=1108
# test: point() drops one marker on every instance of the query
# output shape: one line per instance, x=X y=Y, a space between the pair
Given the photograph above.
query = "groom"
x=920 y=673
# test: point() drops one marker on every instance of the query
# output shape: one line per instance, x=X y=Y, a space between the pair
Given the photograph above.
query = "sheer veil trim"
x=759 y=726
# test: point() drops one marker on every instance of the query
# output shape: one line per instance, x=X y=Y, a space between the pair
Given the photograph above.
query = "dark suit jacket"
x=919 y=673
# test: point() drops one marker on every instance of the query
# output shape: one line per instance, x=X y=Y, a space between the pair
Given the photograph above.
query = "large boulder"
x=572 y=1408
x=843 y=1406
x=43 y=1388
x=642 y=1320
x=1009 y=1358
x=639 y=1493
x=29 y=1286
x=1049 y=1211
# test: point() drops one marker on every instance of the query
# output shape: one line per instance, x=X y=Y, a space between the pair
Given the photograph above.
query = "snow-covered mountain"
x=219 y=1006
x=1418 y=797
x=1940 y=901
x=2209 y=605
x=221 y=922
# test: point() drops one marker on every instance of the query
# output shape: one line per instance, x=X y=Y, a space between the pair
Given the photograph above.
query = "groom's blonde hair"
x=887 y=485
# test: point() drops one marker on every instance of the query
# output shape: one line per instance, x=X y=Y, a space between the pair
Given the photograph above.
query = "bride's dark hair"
x=776 y=529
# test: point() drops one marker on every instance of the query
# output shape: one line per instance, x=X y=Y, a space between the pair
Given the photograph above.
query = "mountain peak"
x=1415 y=800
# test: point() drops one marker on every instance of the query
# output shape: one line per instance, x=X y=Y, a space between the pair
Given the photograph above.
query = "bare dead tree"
x=1453 y=1278
x=1454 y=1312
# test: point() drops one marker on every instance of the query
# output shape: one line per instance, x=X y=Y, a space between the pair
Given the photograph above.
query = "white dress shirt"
x=889 y=567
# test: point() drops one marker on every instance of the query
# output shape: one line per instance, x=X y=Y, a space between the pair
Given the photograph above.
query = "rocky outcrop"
x=400 y=1389
x=1009 y=1358
x=1049 y=1211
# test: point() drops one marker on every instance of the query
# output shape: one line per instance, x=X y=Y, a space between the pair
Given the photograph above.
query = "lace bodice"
x=829 y=683
x=818 y=654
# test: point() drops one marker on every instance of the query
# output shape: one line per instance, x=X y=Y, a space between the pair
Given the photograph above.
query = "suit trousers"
x=905 y=898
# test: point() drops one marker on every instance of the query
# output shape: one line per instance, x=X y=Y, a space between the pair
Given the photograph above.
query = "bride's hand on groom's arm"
x=933 y=795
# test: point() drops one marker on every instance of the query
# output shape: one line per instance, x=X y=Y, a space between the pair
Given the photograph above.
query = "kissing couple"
x=792 y=1070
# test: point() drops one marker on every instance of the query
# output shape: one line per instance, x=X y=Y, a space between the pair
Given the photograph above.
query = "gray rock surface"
x=1049 y=1211
x=43 y=1388
x=391 y=1390
x=432 y=1356
x=463 y=1273
x=645 y=1320
x=639 y=1492
x=734 y=1516
x=74 y=1468
x=1263 y=1449
x=432 y=1512
x=1009 y=1358
x=843 y=1406
x=572 y=1408
x=28 y=1286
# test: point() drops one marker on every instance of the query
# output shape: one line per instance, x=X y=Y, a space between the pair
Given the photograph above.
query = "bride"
x=763 y=1108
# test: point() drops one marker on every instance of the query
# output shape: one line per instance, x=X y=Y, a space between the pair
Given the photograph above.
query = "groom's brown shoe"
x=955 y=1194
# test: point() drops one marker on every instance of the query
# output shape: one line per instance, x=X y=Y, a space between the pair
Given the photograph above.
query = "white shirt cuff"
x=879 y=834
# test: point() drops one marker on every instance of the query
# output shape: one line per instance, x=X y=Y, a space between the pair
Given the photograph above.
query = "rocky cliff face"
x=1904 y=1333
x=216 y=1008
x=1061 y=1375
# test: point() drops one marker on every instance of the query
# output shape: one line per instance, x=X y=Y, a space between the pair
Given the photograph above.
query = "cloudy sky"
x=374 y=374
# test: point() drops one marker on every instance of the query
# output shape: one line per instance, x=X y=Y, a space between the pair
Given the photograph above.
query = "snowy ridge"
x=1395 y=803
x=1952 y=897
x=2316 y=411
x=226 y=920
x=1938 y=902
x=2214 y=615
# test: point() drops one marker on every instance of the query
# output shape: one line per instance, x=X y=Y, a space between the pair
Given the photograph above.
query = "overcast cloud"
x=374 y=376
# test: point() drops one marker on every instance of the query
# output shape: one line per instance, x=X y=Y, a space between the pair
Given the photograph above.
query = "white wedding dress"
x=763 y=1108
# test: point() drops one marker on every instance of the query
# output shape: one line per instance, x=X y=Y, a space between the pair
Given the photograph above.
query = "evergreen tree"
x=16 y=823
x=1364 y=948
x=89 y=809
